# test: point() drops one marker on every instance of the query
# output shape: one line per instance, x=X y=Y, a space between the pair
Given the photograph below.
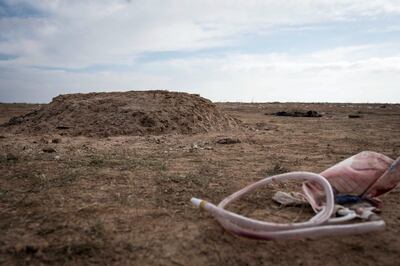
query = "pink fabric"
x=367 y=174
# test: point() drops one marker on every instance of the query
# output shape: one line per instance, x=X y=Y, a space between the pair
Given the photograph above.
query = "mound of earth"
x=124 y=113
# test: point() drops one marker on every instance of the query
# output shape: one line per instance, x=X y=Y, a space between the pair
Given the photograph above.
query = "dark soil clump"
x=298 y=113
x=228 y=141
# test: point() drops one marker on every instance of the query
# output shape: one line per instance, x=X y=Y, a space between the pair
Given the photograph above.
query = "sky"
x=237 y=50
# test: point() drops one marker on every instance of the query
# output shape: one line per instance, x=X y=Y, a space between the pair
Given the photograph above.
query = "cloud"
x=225 y=50
x=309 y=77
x=78 y=33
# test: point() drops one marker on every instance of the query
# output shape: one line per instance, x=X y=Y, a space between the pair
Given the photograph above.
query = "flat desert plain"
x=125 y=199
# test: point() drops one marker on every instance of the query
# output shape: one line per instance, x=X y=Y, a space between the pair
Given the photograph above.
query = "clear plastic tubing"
x=320 y=225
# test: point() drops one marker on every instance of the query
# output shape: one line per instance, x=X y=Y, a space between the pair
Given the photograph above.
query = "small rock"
x=57 y=157
x=228 y=141
x=11 y=157
x=2 y=137
x=44 y=141
x=56 y=140
x=48 y=150
x=62 y=127
x=355 y=116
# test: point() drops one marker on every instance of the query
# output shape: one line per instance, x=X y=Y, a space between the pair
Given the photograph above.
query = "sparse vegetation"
x=125 y=200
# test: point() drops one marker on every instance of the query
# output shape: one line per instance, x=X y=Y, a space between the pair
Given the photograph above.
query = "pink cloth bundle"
x=367 y=175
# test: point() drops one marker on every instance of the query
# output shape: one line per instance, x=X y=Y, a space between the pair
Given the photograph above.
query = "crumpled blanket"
x=364 y=176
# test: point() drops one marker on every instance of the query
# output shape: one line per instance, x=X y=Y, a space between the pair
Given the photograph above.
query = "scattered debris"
x=11 y=157
x=56 y=140
x=299 y=113
x=228 y=141
x=289 y=199
x=195 y=146
x=17 y=120
x=355 y=116
x=276 y=170
x=48 y=149
x=262 y=126
x=62 y=127
x=44 y=140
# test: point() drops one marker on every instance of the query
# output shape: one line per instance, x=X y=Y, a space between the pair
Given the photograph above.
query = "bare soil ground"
x=125 y=199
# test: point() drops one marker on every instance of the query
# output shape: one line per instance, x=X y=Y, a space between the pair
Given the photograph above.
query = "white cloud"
x=316 y=76
x=79 y=34
x=309 y=77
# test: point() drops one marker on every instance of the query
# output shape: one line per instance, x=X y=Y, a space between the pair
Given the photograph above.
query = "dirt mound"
x=124 y=113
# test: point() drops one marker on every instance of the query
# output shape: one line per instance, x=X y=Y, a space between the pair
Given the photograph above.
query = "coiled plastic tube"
x=320 y=225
